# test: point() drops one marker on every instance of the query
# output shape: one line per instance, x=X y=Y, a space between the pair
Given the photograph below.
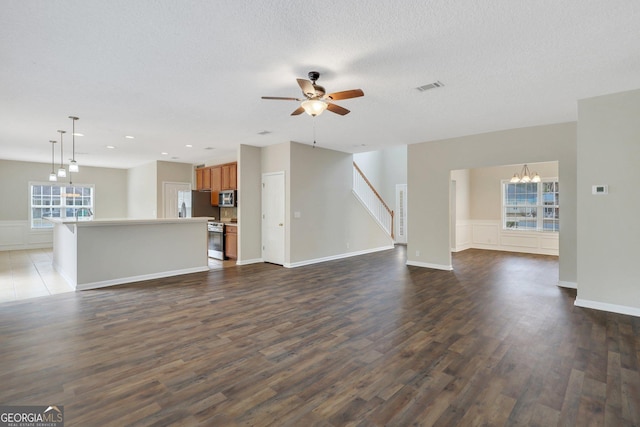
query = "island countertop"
x=126 y=221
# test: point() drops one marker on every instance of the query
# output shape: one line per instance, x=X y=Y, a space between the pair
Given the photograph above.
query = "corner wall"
x=249 y=205
x=332 y=222
x=428 y=175
x=608 y=226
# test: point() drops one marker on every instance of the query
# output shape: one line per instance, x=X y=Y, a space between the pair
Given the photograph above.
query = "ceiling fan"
x=316 y=100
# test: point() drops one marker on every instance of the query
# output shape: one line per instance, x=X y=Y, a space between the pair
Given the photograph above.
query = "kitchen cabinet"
x=229 y=179
x=231 y=241
x=203 y=179
x=216 y=183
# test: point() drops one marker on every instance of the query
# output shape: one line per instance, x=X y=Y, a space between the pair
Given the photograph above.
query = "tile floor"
x=30 y=273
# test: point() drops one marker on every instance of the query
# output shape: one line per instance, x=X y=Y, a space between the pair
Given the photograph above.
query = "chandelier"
x=525 y=176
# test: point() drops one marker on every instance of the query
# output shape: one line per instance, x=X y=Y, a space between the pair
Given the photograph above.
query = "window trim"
x=539 y=209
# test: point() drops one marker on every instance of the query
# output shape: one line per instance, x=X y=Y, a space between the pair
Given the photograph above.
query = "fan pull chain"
x=314 y=132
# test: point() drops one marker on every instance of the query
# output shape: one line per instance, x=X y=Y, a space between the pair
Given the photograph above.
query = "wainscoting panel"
x=463 y=236
x=518 y=240
x=17 y=235
x=485 y=234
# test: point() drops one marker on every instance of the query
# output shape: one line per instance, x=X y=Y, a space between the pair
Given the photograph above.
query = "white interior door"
x=273 y=216
x=400 y=217
x=170 y=196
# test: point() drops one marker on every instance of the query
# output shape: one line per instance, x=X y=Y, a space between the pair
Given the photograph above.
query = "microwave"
x=228 y=198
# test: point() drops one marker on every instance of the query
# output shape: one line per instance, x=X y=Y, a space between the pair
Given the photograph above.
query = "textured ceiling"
x=177 y=72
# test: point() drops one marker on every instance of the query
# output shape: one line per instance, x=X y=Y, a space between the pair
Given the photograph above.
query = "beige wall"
x=463 y=197
x=384 y=169
x=15 y=229
x=141 y=191
x=608 y=226
x=332 y=222
x=171 y=172
x=429 y=173
x=486 y=187
x=249 y=204
x=110 y=188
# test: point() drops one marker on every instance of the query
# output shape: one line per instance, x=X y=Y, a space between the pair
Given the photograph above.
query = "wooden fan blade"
x=298 y=110
x=307 y=88
x=280 y=98
x=346 y=94
x=337 y=109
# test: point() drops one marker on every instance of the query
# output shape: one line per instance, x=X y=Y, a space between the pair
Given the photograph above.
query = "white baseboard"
x=123 y=280
x=461 y=248
x=612 y=308
x=570 y=285
x=429 y=265
x=334 y=257
x=249 y=261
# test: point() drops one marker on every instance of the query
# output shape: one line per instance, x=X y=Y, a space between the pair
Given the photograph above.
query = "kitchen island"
x=98 y=253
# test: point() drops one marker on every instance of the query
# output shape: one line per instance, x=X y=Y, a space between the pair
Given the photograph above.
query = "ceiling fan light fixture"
x=314 y=107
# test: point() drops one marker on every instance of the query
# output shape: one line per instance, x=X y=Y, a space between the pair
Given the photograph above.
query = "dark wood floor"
x=365 y=341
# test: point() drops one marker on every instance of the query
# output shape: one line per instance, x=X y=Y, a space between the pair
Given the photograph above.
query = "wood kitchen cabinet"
x=231 y=241
x=229 y=177
x=216 y=184
x=217 y=178
x=203 y=179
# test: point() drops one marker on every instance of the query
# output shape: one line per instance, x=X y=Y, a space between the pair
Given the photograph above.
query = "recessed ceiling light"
x=78 y=134
x=129 y=137
x=189 y=146
x=164 y=153
x=110 y=146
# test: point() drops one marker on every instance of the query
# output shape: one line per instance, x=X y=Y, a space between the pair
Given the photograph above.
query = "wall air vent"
x=430 y=86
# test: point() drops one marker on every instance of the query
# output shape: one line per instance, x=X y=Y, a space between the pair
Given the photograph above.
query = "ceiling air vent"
x=264 y=132
x=430 y=86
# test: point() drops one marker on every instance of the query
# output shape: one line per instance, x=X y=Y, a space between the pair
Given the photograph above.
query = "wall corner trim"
x=570 y=285
x=603 y=306
x=335 y=257
x=249 y=261
x=429 y=265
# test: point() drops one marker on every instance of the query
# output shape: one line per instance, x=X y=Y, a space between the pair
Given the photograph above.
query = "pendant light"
x=62 y=172
x=73 y=165
x=52 y=175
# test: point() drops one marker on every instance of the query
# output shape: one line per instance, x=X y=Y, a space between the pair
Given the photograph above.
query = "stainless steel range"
x=216 y=239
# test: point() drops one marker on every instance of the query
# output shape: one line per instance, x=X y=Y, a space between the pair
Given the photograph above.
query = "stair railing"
x=368 y=195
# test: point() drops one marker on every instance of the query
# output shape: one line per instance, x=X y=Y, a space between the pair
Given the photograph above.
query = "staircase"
x=370 y=198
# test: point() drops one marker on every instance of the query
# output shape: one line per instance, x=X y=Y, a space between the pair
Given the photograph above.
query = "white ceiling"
x=177 y=72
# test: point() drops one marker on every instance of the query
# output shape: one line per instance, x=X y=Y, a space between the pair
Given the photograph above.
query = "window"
x=531 y=206
x=57 y=201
